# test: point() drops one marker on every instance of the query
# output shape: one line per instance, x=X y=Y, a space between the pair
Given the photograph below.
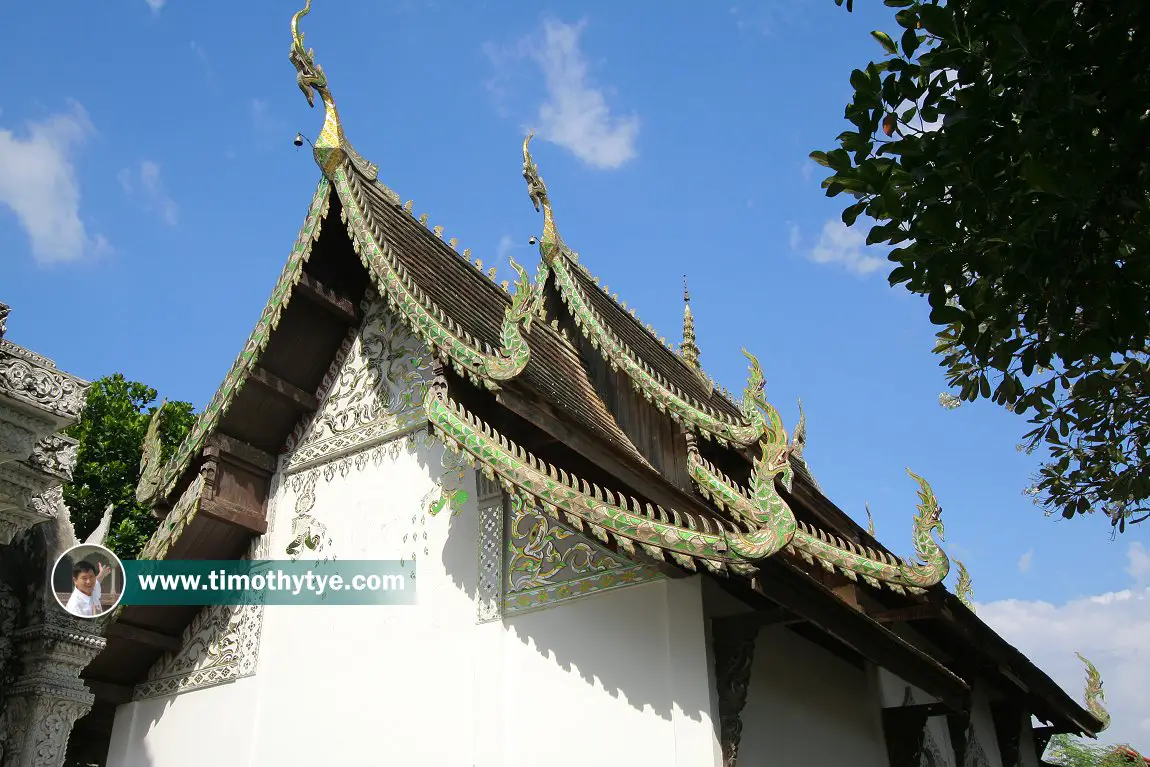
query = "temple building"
x=617 y=562
x=42 y=648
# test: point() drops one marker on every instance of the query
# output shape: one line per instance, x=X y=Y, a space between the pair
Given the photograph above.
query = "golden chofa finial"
x=550 y=243
x=331 y=148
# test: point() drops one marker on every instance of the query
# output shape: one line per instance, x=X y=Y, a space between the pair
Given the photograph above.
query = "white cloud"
x=575 y=114
x=794 y=236
x=156 y=5
x=1139 y=564
x=38 y=182
x=145 y=184
x=840 y=244
x=270 y=129
x=764 y=19
x=506 y=245
x=1025 y=561
x=202 y=56
x=808 y=170
x=1110 y=629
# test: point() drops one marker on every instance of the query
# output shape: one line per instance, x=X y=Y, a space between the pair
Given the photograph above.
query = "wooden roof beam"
x=327 y=299
x=302 y=400
x=907 y=614
x=249 y=519
x=108 y=692
x=143 y=636
x=1048 y=701
x=758 y=620
x=792 y=590
x=645 y=482
x=259 y=459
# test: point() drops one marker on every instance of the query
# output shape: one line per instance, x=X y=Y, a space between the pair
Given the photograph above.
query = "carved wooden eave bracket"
x=36 y=401
x=158 y=479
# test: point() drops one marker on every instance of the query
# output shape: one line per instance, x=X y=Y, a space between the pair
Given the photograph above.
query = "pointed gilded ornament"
x=550 y=244
x=869 y=521
x=690 y=349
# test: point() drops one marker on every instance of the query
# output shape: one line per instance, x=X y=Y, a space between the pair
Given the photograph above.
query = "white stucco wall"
x=982 y=727
x=806 y=706
x=937 y=741
x=211 y=726
x=628 y=667
x=428 y=684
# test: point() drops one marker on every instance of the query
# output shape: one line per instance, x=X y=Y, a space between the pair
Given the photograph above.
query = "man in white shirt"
x=85 y=600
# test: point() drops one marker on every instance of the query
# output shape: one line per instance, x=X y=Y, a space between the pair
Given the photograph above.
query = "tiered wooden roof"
x=570 y=402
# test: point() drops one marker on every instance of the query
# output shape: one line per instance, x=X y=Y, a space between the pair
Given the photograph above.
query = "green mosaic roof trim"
x=667 y=397
x=762 y=507
x=234 y=381
x=688 y=540
x=964 y=589
x=445 y=338
x=174 y=524
x=1094 y=694
x=774 y=526
x=151 y=459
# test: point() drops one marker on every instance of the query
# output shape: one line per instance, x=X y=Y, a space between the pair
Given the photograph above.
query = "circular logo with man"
x=88 y=580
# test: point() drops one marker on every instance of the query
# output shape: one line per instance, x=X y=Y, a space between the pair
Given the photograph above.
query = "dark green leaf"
x=886 y=42
x=820 y=158
x=910 y=42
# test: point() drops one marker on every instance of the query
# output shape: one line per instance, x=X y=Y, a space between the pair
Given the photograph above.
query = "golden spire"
x=332 y=147
x=550 y=244
x=690 y=350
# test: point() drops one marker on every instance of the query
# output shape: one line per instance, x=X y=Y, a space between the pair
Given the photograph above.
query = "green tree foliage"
x=111 y=434
x=1070 y=752
x=1000 y=145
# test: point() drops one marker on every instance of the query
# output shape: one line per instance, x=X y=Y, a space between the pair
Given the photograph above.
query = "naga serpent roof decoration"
x=1094 y=694
x=352 y=176
x=689 y=540
x=764 y=524
x=774 y=524
x=667 y=396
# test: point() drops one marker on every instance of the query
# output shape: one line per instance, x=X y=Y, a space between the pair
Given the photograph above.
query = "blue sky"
x=150 y=192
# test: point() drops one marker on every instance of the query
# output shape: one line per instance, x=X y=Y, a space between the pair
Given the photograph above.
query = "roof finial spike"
x=964 y=590
x=550 y=244
x=689 y=349
x=332 y=147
